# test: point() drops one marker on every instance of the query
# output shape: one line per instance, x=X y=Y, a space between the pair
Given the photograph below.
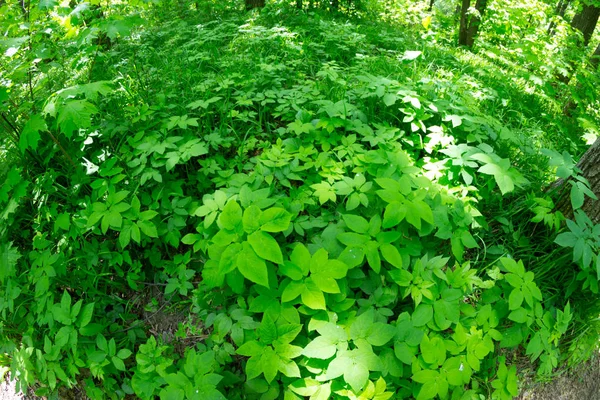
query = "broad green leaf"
x=266 y=246
x=229 y=257
x=231 y=216
x=357 y=376
x=519 y=315
x=390 y=254
x=356 y=223
x=251 y=349
x=275 y=220
x=394 y=214
x=422 y=315
x=301 y=257
x=321 y=347
x=250 y=219
x=372 y=253
x=74 y=115
x=251 y=266
x=312 y=296
x=148 y=228
x=30 y=134
x=515 y=299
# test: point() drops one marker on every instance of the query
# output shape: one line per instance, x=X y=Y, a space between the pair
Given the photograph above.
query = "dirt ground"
x=581 y=384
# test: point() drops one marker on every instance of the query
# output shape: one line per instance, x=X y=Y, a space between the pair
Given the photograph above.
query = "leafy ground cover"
x=204 y=203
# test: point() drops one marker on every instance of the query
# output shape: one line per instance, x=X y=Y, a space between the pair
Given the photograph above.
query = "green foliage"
x=276 y=205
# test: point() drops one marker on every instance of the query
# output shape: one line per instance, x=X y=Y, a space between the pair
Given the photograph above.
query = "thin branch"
x=62 y=149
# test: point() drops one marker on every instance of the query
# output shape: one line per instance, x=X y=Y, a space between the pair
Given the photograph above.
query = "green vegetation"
x=217 y=200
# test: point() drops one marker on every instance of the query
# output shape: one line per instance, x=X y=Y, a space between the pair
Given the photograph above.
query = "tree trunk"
x=589 y=164
x=251 y=4
x=475 y=21
x=469 y=24
x=585 y=22
x=463 y=28
x=431 y=4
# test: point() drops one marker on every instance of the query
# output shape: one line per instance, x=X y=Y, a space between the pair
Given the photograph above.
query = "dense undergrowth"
x=205 y=204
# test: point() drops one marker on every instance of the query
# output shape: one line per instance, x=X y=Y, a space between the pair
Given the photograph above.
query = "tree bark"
x=475 y=21
x=469 y=24
x=431 y=4
x=463 y=28
x=251 y=4
x=589 y=164
x=585 y=22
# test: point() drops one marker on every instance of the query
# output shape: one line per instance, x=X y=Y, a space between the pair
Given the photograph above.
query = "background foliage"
x=200 y=202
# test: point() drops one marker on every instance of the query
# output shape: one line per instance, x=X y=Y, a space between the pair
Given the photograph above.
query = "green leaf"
x=148 y=215
x=250 y=219
x=30 y=134
x=519 y=315
x=372 y=253
x=357 y=376
x=301 y=257
x=390 y=254
x=251 y=349
x=356 y=223
x=74 y=115
x=275 y=220
x=425 y=375
x=428 y=351
x=321 y=347
x=231 y=216
x=118 y=363
x=380 y=334
x=63 y=221
x=312 y=296
x=251 y=266
x=577 y=197
x=266 y=246
x=394 y=213
x=422 y=315
x=352 y=239
x=468 y=240
x=566 y=239
x=229 y=257
x=85 y=315
x=515 y=299
x=148 y=228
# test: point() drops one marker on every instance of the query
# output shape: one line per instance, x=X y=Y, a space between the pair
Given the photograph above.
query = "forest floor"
x=583 y=383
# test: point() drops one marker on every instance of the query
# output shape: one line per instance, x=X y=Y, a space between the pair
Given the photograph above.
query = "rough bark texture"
x=585 y=22
x=589 y=164
x=250 y=4
x=469 y=24
x=462 y=30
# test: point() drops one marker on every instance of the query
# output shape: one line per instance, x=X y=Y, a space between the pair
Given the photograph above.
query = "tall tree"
x=585 y=21
x=470 y=21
